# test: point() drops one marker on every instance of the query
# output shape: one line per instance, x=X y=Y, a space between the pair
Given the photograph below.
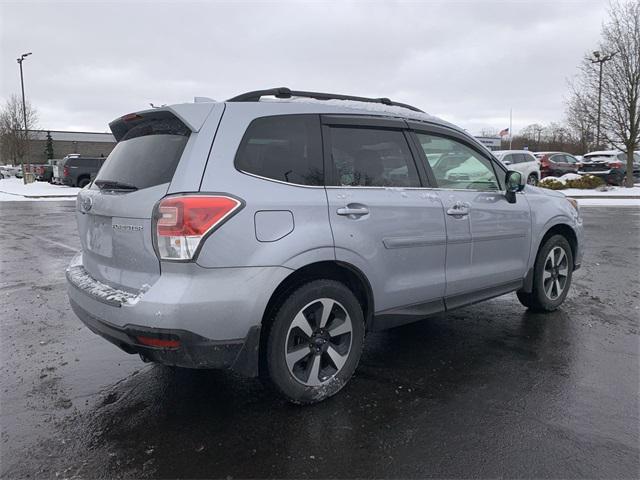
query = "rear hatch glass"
x=147 y=155
x=114 y=214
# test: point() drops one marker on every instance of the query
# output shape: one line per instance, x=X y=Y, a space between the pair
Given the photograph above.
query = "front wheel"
x=315 y=341
x=83 y=182
x=532 y=180
x=552 y=275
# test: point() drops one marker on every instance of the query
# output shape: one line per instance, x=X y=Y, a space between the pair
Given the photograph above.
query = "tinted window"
x=147 y=155
x=570 y=159
x=85 y=162
x=457 y=166
x=285 y=148
x=369 y=157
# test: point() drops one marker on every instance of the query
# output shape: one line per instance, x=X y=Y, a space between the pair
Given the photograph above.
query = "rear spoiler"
x=193 y=115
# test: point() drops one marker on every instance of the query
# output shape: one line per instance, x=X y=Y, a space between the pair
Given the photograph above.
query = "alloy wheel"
x=318 y=342
x=555 y=273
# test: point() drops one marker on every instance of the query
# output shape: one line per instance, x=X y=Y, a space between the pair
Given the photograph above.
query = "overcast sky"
x=468 y=62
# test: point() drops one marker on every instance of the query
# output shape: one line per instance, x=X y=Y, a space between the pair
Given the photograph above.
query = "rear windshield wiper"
x=114 y=185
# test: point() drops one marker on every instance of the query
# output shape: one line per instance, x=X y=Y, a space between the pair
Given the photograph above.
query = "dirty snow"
x=610 y=191
x=608 y=202
x=80 y=278
x=13 y=189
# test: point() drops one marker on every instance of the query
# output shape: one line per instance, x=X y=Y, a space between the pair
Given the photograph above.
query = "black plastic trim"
x=469 y=298
x=403 y=315
x=363 y=121
x=195 y=351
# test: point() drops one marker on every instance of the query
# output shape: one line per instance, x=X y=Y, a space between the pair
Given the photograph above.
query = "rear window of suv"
x=147 y=155
x=286 y=148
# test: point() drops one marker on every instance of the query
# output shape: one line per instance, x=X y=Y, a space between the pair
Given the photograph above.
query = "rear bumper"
x=193 y=351
x=214 y=313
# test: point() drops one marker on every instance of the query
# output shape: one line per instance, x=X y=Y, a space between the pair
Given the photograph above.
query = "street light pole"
x=600 y=60
x=24 y=111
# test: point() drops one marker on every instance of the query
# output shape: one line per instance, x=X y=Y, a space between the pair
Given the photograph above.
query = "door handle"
x=353 y=211
x=458 y=209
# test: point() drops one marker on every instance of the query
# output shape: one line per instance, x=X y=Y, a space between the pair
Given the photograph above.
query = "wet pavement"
x=487 y=391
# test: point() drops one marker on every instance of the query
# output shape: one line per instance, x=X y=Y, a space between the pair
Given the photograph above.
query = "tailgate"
x=115 y=214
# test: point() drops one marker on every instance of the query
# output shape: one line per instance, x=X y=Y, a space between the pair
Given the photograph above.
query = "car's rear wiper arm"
x=114 y=185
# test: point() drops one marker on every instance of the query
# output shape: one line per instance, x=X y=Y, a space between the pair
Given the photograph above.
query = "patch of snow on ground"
x=612 y=191
x=609 y=202
x=13 y=189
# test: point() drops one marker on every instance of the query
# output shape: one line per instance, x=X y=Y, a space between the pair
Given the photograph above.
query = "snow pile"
x=563 y=179
x=14 y=189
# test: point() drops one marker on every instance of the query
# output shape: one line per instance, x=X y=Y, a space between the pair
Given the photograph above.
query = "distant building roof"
x=65 y=136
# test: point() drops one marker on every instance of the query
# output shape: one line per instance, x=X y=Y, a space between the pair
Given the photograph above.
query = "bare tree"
x=579 y=124
x=620 y=94
x=14 y=145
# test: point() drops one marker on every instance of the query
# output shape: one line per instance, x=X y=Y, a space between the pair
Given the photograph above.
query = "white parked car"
x=522 y=161
x=7 y=171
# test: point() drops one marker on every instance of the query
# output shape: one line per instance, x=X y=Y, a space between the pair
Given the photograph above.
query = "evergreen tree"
x=48 y=149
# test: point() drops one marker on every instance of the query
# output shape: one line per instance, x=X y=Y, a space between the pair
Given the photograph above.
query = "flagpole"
x=510 y=127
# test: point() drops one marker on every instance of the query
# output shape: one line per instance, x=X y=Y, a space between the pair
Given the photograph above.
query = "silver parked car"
x=268 y=235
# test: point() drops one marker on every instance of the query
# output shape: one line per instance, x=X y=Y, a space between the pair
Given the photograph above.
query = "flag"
x=504 y=132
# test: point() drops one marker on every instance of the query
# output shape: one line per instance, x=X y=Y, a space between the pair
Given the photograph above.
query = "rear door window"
x=372 y=157
x=147 y=155
x=286 y=148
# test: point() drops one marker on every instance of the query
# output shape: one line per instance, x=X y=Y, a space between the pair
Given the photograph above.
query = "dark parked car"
x=76 y=170
x=610 y=165
x=556 y=164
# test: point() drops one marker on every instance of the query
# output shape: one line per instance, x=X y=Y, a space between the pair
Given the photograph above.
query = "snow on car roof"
x=365 y=107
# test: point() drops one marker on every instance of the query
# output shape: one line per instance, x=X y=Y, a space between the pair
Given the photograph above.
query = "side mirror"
x=514 y=184
x=507 y=162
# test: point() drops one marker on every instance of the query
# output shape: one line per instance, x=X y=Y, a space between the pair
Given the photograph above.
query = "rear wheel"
x=315 y=341
x=532 y=179
x=553 y=271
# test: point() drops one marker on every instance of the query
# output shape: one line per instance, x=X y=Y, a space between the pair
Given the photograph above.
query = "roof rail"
x=284 y=92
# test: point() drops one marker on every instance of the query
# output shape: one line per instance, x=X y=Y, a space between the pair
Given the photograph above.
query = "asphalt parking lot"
x=487 y=391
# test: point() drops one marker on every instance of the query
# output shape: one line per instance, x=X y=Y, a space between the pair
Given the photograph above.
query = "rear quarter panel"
x=236 y=243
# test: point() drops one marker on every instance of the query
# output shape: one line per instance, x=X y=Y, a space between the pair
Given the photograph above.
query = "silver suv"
x=268 y=233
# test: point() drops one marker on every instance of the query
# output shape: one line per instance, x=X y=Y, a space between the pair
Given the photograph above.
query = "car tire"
x=83 y=182
x=532 y=179
x=314 y=341
x=552 y=276
x=616 y=179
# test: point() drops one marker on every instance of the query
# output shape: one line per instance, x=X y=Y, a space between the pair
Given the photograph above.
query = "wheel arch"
x=81 y=177
x=557 y=229
x=343 y=272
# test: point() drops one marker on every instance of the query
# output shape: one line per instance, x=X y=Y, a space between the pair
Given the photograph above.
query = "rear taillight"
x=183 y=222
x=615 y=164
x=65 y=172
